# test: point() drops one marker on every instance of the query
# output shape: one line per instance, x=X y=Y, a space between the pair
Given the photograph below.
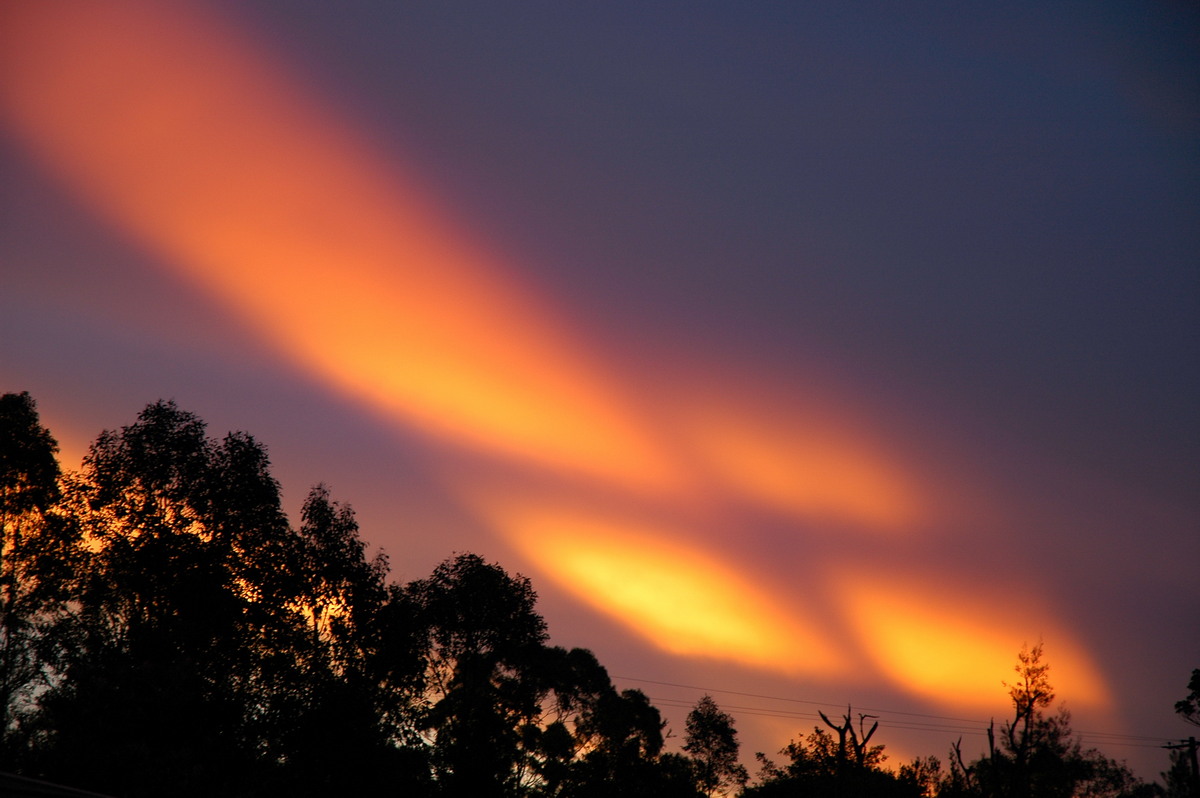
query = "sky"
x=807 y=356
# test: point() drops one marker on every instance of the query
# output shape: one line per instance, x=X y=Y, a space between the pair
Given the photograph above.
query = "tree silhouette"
x=484 y=637
x=711 y=740
x=341 y=589
x=1189 y=708
x=153 y=660
x=846 y=766
x=923 y=774
x=1179 y=779
x=212 y=649
x=507 y=714
x=337 y=732
x=38 y=554
x=165 y=630
x=608 y=743
x=853 y=748
x=1037 y=755
x=1187 y=774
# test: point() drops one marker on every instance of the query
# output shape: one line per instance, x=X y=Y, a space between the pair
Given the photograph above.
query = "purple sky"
x=940 y=254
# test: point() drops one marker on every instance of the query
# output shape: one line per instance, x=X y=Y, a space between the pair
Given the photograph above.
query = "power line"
x=767 y=712
x=793 y=700
x=975 y=726
x=809 y=716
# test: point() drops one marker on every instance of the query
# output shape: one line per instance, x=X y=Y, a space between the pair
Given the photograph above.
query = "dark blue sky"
x=994 y=204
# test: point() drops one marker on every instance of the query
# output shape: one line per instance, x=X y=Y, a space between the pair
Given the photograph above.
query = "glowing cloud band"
x=953 y=643
x=681 y=600
x=192 y=144
x=184 y=137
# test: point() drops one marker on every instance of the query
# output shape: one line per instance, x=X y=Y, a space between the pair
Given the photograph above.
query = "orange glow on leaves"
x=936 y=641
x=679 y=597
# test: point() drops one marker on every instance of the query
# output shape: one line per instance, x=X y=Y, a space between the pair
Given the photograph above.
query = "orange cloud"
x=679 y=597
x=801 y=464
x=193 y=145
x=186 y=139
x=197 y=147
x=957 y=647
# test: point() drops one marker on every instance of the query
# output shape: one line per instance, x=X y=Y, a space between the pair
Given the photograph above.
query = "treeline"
x=165 y=630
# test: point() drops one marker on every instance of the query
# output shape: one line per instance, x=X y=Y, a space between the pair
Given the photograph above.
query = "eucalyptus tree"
x=1188 y=707
x=592 y=740
x=1037 y=754
x=200 y=645
x=152 y=657
x=506 y=714
x=846 y=765
x=346 y=730
x=189 y=644
x=711 y=740
x=39 y=556
x=483 y=638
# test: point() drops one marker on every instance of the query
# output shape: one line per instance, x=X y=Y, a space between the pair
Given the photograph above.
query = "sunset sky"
x=820 y=355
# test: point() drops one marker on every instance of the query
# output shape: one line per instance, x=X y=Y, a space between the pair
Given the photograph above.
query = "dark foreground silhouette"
x=165 y=630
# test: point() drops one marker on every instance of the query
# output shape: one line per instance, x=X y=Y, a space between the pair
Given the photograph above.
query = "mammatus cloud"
x=184 y=136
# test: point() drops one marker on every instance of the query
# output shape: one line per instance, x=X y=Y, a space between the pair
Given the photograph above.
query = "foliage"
x=821 y=764
x=1189 y=708
x=1179 y=779
x=1183 y=778
x=164 y=661
x=164 y=629
x=923 y=774
x=482 y=642
x=1037 y=755
x=39 y=553
x=711 y=739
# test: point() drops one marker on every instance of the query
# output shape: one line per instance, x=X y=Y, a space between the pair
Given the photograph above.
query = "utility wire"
x=793 y=700
x=975 y=727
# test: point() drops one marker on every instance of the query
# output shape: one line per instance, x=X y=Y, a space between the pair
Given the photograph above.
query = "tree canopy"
x=165 y=629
